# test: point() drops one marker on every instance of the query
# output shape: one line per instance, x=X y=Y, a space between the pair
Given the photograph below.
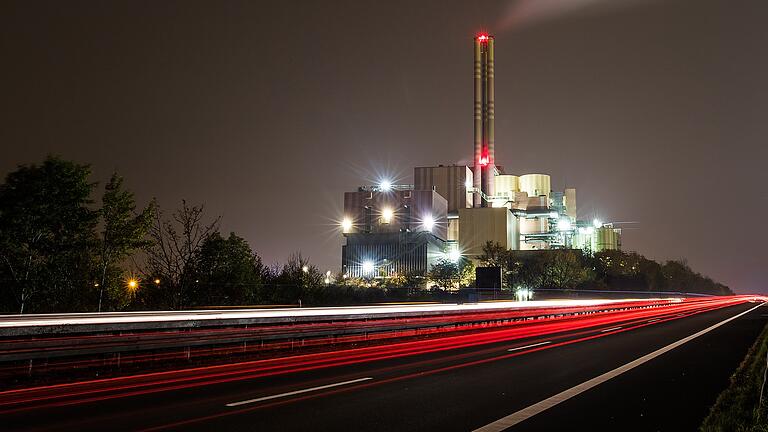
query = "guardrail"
x=269 y=329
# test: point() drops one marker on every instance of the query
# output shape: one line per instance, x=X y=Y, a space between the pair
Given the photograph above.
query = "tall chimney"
x=484 y=163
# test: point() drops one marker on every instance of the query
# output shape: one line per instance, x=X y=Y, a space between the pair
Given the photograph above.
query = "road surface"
x=464 y=389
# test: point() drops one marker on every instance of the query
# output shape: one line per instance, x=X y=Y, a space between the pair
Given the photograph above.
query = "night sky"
x=268 y=111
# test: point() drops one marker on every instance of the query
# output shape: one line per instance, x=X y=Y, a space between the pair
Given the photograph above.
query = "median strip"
x=281 y=395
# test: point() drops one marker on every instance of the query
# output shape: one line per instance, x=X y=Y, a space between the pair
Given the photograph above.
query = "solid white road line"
x=654 y=320
x=529 y=346
x=234 y=404
x=525 y=413
x=610 y=329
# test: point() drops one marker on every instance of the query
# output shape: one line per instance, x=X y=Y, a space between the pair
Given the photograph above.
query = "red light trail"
x=584 y=326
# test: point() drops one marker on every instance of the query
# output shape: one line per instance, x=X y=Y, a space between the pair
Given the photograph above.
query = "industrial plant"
x=453 y=211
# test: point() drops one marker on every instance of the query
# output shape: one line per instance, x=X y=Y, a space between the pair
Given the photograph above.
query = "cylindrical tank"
x=507 y=185
x=535 y=185
x=606 y=238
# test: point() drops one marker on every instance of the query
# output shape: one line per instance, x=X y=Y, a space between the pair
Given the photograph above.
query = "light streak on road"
x=9 y=321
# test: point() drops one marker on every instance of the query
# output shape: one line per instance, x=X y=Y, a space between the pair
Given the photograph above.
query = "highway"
x=68 y=322
x=655 y=371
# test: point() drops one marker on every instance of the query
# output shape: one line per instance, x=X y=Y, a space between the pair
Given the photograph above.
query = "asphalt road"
x=458 y=390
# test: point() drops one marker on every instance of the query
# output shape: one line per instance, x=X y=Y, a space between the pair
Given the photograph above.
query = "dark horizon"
x=653 y=111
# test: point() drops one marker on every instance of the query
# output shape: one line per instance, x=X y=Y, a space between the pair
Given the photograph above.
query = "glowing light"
x=368 y=267
x=428 y=222
x=523 y=294
x=454 y=255
x=327 y=281
x=482 y=37
x=305 y=269
x=484 y=161
x=328 y=273
x=387 y=310
x=386 y=215
x=157 y=281
x=346 y=225
x=564 y=225
x=597 y=223
x=133 y=283
x=385 y=185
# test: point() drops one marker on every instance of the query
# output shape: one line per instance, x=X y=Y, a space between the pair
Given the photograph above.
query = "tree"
x=171 y=255
x=564 y=269
x=494 y=255
x=123 y=231
x=227 y=272
x=46 y=230
x=448 y=274
x=297 y=280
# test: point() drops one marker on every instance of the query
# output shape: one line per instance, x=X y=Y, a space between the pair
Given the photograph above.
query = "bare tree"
x=175 y=247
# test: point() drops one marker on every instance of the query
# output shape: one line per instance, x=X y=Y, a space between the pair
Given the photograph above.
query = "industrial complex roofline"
x=454 y=210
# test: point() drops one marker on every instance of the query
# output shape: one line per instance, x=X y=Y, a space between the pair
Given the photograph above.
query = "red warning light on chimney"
x=482 y=38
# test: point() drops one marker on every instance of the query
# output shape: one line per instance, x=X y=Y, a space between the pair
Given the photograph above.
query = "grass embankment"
x=738 y=408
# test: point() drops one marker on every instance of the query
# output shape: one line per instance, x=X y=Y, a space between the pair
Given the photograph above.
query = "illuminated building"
x=454 y=210
x=393 y=230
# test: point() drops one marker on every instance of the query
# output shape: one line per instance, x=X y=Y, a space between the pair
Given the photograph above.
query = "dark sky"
x=268 y=111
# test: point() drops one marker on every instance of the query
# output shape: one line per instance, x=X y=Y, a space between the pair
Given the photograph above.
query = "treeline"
x=68 y=245
x=570 y=269
x=63 y=250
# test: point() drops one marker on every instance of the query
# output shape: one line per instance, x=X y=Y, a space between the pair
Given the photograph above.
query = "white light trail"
x=10 y=321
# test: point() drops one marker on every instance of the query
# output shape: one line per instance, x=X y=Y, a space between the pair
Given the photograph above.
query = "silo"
x=507 y=185
x=535 y=185
x=606 y=238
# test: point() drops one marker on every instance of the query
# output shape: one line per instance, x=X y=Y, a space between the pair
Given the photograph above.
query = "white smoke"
x=521 y=13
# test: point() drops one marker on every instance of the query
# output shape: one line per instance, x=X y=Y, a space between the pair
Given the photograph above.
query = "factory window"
x=367 y=219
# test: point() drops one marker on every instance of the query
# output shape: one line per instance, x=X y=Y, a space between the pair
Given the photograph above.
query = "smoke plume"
x=521 y=13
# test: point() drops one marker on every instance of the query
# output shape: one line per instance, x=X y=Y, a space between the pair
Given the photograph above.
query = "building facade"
x=454 y=210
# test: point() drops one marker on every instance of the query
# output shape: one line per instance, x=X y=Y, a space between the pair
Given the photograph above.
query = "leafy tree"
x=448 y=274
x=466 y=273
x=564 y=269
x=494 y=255
x=296 y=281
x=171 y=256
x=123 y=231
x=444 y=274
x=46 y=229
x=227 y=272
x=526 y=269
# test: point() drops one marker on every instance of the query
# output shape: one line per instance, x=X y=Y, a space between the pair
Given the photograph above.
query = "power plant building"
x=454 y=210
